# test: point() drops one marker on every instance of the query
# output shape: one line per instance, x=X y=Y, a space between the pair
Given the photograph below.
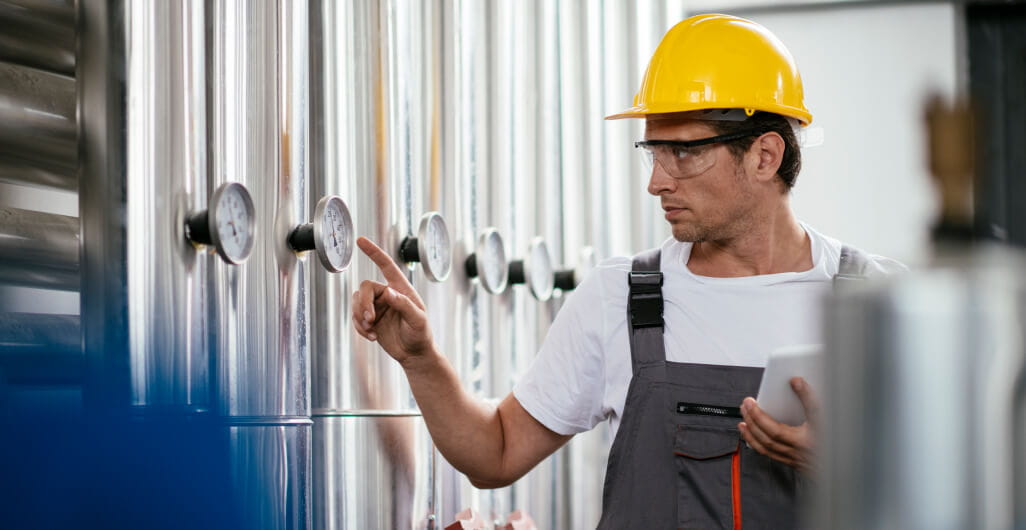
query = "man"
x=666 y=346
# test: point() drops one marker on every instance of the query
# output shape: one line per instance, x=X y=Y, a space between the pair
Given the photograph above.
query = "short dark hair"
x=765 y=122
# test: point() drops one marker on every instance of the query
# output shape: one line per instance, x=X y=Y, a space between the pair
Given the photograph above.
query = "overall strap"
x=853 y=266
x=645 y=311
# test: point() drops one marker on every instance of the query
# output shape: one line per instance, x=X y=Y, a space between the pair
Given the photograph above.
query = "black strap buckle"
x=646 y=299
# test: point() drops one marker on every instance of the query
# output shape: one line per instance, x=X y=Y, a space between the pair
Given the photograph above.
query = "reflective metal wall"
x=488 y=113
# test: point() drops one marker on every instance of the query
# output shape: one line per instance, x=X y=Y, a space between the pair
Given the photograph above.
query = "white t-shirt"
x=581 y=374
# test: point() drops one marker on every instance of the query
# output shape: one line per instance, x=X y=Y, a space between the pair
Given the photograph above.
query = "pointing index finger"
x=388 y=267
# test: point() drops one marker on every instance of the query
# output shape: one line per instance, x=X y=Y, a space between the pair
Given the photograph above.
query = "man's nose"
x=660 y=181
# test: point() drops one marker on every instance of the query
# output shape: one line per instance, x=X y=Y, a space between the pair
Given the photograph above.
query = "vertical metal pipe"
x=39 y=249
x=38 y=139
x=456 y=332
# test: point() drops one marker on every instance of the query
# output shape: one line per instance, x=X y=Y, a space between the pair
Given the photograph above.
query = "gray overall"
x=678 y=460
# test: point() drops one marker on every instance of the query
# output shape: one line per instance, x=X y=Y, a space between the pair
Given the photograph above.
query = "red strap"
x=735 y=482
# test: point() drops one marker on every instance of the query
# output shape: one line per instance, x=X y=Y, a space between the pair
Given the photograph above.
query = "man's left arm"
x=791 y=445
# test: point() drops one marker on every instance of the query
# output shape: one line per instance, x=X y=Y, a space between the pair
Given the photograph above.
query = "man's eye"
x=680 y=152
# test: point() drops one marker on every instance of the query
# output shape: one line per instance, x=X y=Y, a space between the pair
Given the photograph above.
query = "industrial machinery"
x=225 y=155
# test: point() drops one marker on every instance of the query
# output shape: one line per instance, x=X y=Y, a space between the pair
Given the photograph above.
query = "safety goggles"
x=683 y=159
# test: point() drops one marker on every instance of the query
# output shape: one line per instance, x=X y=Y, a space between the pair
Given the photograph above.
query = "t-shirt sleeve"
x=564 y=386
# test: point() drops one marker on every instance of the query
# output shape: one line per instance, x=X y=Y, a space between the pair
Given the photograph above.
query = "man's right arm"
x=492 y=445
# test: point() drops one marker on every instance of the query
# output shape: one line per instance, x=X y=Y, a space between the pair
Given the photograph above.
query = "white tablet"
x=776 y=396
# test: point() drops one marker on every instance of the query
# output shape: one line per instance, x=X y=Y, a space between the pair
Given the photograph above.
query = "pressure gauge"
x=536 y=271
x=330 y=234
x=568 y=279
x=489 y=261
x=228 y=224
x=431 y=247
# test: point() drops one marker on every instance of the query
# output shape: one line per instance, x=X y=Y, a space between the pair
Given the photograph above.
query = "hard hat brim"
x=803 y=116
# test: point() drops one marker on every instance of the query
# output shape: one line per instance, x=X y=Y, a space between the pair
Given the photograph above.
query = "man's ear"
x=768 y=151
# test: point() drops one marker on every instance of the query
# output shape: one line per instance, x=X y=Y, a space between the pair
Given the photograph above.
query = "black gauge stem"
x=302 y=238
x=471 y=266
x=516 y=272
x=409 y=250
x=198 y=229
x=565 y=280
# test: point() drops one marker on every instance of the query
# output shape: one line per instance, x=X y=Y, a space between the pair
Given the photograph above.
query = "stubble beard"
x=737 y=221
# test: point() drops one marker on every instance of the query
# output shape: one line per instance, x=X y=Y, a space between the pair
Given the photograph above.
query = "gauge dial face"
x=231 y=213
x=333 y=233
x=491 y=261
x=539 y=271
x=434 y=247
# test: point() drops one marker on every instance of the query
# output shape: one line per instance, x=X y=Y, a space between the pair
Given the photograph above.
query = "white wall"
x=867 y=71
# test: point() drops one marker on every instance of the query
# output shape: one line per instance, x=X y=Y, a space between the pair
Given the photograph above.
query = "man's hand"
x=791 y=445
x=391 y=314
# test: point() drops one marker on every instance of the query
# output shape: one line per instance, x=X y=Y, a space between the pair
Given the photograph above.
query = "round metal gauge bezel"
x=250 y=229
x=490 y=236
x=426 y=244
x=539 y=273
x=320 y=220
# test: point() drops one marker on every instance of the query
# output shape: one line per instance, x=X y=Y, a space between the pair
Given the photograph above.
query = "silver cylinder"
x=374 y=89
x=38 y=140
x=258 y=66
x=143 y=138
x=39 y=33
x=260 y=307
x=39 y=249
x=270 y=466
x=922 y=423
x=376 y=472
x=361 y=131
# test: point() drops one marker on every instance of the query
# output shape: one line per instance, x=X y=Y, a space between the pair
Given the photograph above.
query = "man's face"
x=714 y=204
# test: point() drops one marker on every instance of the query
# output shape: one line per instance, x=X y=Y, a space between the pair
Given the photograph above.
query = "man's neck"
x=779 y=245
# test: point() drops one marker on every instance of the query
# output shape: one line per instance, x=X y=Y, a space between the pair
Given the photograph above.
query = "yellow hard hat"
x=720 y=62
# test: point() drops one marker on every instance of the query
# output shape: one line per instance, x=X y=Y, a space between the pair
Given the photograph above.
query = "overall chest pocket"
x=708 y=476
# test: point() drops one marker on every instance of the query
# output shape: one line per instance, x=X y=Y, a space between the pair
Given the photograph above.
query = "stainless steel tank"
x=258 y=69
x=143 y=146
x=376 y=142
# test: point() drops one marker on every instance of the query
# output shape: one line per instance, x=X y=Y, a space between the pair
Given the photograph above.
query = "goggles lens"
x=685 y=159
x=679 y=162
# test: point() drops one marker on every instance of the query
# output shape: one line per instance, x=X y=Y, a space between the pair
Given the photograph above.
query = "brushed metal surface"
x=257 y=64
x=373 y=472
x=39 y=33
x=38 y=140
x=270 y=468
x=143 y=145
x=347 y=98
x=39 y=249
x=165 y=181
